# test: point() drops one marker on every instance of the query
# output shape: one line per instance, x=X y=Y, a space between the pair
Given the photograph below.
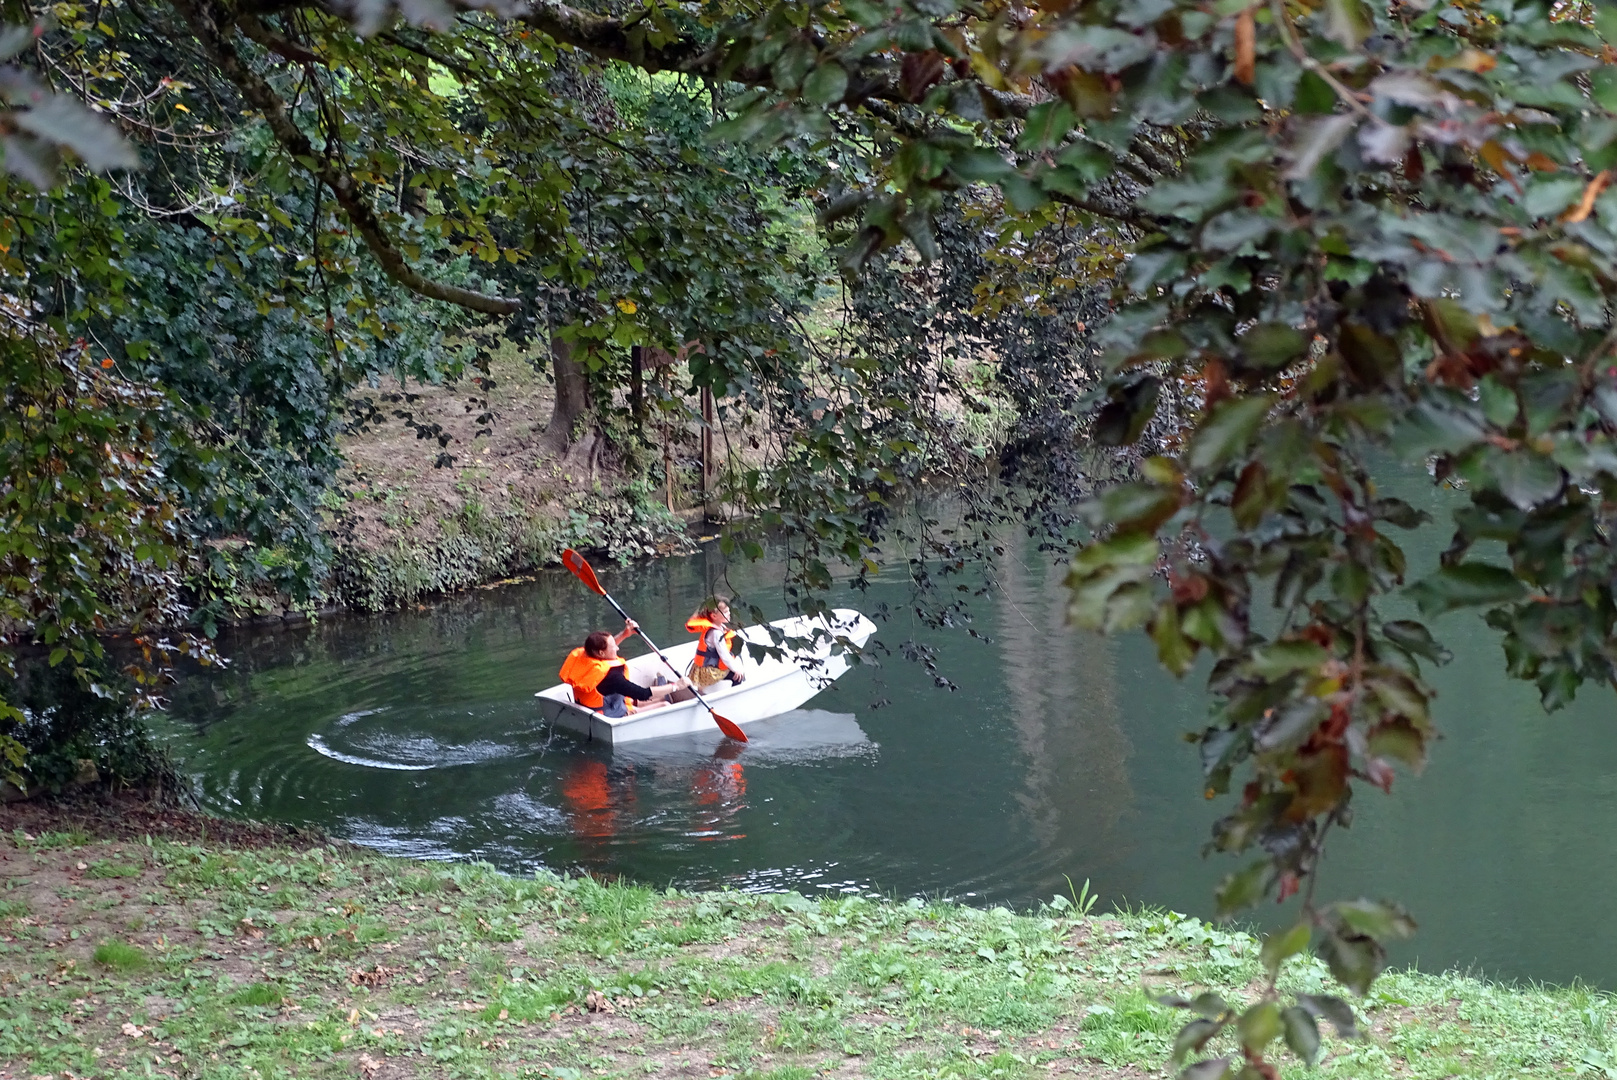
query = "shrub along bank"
x=137 y=956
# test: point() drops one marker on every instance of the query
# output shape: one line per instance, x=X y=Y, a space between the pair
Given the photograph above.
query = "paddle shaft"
x=669 y=664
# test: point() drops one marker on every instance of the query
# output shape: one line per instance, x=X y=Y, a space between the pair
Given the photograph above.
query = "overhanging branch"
x=207 y=26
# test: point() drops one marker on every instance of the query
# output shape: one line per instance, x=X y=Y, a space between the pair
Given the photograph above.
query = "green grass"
x=295 y=963
x=121 y=957
x=259 y=994
x=50 y=841
x=109 y=868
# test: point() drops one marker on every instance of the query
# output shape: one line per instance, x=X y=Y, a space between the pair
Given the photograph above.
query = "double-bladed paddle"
x=582 y=571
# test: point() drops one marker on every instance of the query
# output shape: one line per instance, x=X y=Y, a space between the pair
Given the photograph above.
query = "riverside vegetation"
x=261 y=955
x=1316 y=238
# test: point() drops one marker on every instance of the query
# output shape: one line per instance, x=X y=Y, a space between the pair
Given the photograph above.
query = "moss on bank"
x=139 y=957
x=476 y=545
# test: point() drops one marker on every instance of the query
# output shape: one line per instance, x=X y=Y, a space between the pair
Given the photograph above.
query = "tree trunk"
x=572 y=394
x=710 y=463
x=637 y=388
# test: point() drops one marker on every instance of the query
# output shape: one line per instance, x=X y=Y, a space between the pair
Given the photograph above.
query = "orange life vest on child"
x=584 y=673
x=705 y=657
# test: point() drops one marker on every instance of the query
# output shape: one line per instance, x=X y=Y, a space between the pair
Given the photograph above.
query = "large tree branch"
x=206 y=25
x=291 y=50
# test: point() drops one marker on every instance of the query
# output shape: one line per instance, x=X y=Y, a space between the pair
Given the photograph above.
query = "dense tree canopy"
x=1249 y=249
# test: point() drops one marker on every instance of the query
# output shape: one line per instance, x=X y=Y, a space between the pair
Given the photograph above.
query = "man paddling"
x=596 y=673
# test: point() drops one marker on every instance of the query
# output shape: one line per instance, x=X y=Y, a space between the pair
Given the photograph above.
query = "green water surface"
x=1060 y=755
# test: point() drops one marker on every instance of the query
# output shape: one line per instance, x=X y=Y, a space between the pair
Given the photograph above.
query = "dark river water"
x=1060 y=756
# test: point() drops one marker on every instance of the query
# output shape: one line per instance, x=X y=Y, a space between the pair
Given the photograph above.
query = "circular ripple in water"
x=415 y=740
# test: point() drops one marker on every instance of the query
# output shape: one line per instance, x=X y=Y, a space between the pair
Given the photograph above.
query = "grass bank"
x=139 y=956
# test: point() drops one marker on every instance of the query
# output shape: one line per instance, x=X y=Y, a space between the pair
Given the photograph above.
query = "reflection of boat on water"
x=774 y=685
x=600 y=795
x=792 y=738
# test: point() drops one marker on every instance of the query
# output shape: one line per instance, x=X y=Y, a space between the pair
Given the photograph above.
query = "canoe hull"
x=772 y=686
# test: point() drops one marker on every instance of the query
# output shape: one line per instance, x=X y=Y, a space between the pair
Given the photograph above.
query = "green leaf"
x=1346 y=22
x=826 y=84
x=1089 y=162
x=1282 y=945
x=1291 y=725
x=1109 y=583
x=1227 y=431
x=1399 y=740
x=1467 y=584
x=1192 y=1037
x=1046 y=127
x=793 y=64
x=1174 y=650
x=1319 y=138
x=1334 y=1009
x=1314 y=96
x=1527 y=479
x=1241 y=889
x=1131 y=507
x=1212 y=1069
x=1122 y=420
x=1277 y=660
x=1415 y=638
x=65 y=122
x=980 y=166
x=1354 y=959
x=1302 y=1034
x=1272 y=345
x=1382 y=921
x=14 y=39
x=1548 y=196
x=1259 y=1026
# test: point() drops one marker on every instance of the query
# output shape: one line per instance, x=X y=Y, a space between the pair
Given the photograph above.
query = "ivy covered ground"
x=258 y=957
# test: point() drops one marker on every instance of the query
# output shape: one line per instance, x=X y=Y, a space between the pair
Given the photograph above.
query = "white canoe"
x=773 y=685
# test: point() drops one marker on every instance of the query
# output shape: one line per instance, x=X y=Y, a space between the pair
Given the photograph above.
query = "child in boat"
x=716 y=658
x=596 y=673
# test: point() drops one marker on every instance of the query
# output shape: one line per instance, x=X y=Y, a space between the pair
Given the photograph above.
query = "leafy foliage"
x=90 y=532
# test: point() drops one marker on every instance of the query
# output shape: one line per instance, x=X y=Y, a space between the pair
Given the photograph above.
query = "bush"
x=69 y=720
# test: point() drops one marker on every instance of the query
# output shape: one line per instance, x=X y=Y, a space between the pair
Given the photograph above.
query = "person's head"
x=601 y=645
x=716 y=611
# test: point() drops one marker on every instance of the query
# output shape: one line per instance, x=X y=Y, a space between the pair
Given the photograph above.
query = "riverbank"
x=174 y=945
x=493 y=493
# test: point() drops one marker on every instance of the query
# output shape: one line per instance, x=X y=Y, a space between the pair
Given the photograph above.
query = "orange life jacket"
x=584 y=673
x=705 y=657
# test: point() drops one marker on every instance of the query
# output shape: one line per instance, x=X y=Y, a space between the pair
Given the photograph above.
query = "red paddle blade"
x=729 y=728
x=581 y=570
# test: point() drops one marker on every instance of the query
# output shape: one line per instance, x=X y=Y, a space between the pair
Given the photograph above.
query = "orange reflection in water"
x=594 y=797
x=599 y=798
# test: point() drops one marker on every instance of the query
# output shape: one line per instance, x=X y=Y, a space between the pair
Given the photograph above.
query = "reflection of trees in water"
x=1063 y=691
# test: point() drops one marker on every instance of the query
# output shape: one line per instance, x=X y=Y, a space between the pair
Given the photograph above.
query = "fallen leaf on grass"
x=377 y=976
